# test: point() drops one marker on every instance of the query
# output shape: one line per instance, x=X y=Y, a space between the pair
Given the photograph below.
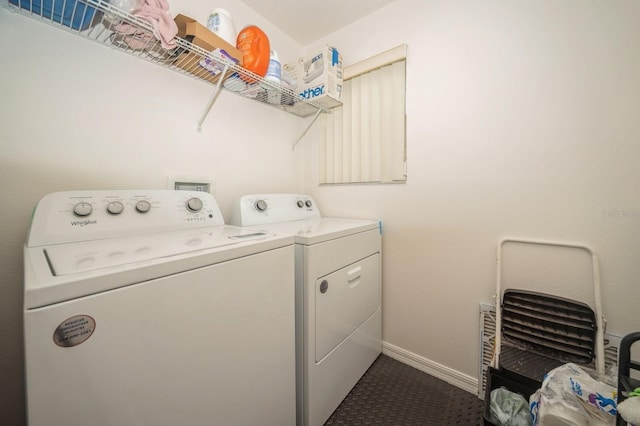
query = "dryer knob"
x=308 y=203
x=324 y=286
x=300 y=203
x=82 y=209
x=261 y=205
x=194 y=204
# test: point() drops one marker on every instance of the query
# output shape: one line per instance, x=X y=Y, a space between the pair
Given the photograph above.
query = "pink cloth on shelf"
x=157 y=13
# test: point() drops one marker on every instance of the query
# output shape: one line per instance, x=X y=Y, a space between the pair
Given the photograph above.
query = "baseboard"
x=449 y=375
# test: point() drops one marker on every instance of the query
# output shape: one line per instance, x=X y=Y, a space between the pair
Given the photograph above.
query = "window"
x=364 y=139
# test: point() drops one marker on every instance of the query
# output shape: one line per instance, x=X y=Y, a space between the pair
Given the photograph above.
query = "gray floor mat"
x=393 y=393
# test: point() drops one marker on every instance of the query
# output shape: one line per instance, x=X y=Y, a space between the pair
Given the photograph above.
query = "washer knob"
x=300 y=203
x=82 y=209
x=308 y=203
x=194 y=204
x=143 y=206
x=261 y=205
x=115 y=207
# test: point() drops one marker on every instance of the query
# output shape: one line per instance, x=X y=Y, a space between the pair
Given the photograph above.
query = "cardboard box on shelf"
x=318 y=77
x=199 y=35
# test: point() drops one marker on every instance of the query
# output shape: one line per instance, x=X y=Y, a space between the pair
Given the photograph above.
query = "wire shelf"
x=101 y=22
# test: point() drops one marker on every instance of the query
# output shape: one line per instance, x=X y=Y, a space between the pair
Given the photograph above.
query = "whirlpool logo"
x=85 y=222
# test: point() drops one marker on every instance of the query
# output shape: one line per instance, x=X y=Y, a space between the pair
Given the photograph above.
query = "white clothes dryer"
x=338 y=295
x=144 y=308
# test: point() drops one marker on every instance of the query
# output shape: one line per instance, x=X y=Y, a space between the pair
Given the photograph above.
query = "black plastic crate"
x=513 y=382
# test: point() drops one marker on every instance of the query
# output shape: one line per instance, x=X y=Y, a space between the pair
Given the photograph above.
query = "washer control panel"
x=260 y=209
x=73 y=216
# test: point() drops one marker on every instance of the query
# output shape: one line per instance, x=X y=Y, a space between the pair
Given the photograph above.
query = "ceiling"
x=309 y=20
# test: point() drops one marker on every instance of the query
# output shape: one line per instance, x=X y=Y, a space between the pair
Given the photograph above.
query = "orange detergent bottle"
x=255 y=48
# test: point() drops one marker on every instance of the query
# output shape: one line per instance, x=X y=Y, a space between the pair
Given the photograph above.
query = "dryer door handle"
x=353 y=276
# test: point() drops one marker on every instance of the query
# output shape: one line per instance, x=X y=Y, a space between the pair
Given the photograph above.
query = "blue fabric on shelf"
x=70 y=13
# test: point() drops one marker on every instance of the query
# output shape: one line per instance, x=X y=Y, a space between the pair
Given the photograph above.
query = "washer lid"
x=68 y=259
x=62 y=272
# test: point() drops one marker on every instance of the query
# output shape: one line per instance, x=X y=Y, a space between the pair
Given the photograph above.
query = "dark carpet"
x=393 y=393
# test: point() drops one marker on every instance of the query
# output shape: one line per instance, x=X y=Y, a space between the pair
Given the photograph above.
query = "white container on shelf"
x=273 y=76
x=275 y=69
x=220 y=22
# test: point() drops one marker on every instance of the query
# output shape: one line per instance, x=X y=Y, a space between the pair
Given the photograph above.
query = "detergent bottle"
x=274 y=71
x=255 y=48
x=220 y=22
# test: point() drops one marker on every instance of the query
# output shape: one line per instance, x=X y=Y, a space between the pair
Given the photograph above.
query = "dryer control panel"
x=73 y=216
x=260 y=209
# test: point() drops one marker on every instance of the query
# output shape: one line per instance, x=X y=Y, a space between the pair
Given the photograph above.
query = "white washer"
x=338 y=293
x=143 y=308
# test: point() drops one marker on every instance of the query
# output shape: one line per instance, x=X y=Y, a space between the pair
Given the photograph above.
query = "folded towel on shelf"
x=157 y=13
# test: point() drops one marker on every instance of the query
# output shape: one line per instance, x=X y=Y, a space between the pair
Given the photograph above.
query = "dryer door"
x=344 y=300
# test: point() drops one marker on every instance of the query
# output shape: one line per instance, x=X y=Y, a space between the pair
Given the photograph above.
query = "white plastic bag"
x=508 y=408
x=569 y=396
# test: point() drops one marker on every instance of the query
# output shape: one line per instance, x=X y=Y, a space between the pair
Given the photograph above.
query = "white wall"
x=77 y=115
x=522 y=121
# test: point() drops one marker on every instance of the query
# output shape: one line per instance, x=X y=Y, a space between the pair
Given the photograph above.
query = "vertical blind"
x=364 y=139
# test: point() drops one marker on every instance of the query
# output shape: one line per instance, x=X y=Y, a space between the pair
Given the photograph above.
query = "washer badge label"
x=74 y=330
